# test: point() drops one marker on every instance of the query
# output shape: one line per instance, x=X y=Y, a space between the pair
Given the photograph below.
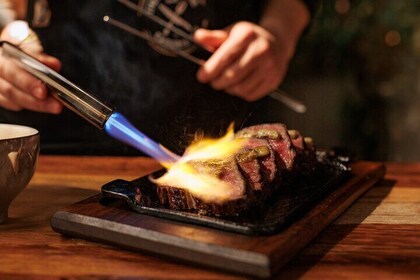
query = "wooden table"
x=378 y=237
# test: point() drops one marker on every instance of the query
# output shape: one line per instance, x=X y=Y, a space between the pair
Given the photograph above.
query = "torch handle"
x=79 y=101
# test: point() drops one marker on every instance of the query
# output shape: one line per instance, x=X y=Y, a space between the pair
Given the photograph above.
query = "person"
x=166 y=97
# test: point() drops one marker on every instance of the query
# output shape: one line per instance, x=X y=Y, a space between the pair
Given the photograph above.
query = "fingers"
x=21 y=79
x=5 y=102
x=50 y=61
x=20 y=90
x=237 y=41
x=19 y=33
x=212 y=39
x=250 y=63
x=14 y=99
x=259 y=83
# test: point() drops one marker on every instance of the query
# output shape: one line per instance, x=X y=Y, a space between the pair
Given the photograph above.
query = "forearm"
x=286 y=20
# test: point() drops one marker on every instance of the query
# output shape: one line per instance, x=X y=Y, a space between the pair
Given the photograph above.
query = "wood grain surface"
x=258 y=256
x=377 y=237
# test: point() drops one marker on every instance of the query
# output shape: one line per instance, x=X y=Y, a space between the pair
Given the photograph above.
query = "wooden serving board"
x=258 y=256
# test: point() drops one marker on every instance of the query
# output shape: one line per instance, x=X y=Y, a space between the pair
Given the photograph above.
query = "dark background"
x=357 y=69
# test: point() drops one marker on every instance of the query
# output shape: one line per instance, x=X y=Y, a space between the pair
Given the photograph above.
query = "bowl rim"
x=33 y=131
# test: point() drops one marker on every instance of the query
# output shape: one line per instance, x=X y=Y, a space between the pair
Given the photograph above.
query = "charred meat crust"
x=305 y=153
x=272 y=157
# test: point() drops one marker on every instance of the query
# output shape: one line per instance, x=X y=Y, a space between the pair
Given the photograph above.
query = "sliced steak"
x=257 y=164
x=247 y=159
x=268 y=164
x=278 y=139
x=271 y=158
x=227 y=171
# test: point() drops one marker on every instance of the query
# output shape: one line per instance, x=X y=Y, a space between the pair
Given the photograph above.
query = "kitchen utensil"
x=278 y=95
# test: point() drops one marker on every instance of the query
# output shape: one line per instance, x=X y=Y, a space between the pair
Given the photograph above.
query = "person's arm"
x=285 y=20
x=251 y=60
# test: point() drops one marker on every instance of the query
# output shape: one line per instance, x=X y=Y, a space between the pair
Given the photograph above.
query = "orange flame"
x=204 y=186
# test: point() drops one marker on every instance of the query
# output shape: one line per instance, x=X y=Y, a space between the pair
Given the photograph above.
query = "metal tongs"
x=278 y=94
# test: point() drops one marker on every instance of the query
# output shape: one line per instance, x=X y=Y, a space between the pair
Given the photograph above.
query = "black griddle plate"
x=284 y=207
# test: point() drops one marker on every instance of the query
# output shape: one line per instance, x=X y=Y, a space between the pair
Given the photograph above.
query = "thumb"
x=212 y=39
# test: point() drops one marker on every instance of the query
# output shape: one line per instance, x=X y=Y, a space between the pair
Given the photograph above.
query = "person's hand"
x=20 y=90
x=248 y=60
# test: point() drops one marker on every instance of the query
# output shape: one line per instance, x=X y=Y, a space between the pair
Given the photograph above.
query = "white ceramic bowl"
x=19 y=149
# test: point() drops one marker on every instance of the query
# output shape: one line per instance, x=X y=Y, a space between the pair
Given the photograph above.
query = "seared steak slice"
x=268 y=164
x=227 y=171
x=278 y=139
x=257 y=164
x=247 y=159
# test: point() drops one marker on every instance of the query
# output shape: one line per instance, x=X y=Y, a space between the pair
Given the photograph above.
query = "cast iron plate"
x=280 y=210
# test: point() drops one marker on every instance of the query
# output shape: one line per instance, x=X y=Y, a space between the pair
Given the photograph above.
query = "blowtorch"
x=88 y=106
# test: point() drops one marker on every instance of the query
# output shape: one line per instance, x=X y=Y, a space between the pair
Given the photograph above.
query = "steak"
x=271 y=158
x=225 y=170
x=258 y=167
x=249 y=164
x=278 y=139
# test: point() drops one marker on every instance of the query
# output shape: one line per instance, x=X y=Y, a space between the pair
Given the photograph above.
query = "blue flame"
x=120 y=128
